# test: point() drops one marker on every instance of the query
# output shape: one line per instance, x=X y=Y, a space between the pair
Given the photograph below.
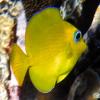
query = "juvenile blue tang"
x=53 y=47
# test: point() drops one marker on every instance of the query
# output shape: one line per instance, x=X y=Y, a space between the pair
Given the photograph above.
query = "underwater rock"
x=86 y=86
x=94 y=29
x=6 y=25
x=14 y=93
x=3 y=92
x=82 y=15
x=4 y=72
x=10 y=7
x=71 y=9
x=9 y=10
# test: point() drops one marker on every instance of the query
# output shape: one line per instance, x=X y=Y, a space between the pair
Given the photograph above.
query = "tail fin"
x=19 y=63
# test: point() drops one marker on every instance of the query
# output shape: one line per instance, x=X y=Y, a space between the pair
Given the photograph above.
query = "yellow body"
x=51 y=50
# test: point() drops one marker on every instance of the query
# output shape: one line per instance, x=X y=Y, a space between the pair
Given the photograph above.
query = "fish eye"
x=77 y=36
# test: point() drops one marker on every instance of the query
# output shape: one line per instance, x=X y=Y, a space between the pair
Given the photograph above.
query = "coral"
x=9 y=10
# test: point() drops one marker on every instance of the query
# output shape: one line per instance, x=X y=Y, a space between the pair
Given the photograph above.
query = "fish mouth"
x=62 y=76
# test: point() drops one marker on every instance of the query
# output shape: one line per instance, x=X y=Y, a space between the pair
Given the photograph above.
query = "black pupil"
x=78 y=36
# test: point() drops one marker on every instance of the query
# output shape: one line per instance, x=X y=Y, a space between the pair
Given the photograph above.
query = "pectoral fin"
x=19 y=63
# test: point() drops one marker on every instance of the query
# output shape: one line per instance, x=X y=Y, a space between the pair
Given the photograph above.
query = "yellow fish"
x=53 y=47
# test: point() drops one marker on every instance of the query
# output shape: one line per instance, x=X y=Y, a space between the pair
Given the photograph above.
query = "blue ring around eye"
x=77 y=36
